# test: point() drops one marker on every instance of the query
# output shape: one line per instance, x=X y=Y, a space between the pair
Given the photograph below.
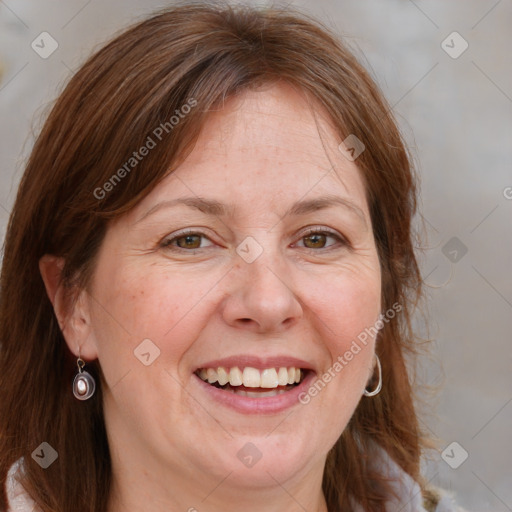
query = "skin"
x=172 y=447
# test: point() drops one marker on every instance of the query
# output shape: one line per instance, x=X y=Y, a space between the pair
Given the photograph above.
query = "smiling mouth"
x=251 y=382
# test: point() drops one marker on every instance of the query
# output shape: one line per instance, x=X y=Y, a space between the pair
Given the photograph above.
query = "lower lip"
x=264 y=405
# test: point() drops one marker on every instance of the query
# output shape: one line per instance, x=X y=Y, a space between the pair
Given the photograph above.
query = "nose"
x=261 y=298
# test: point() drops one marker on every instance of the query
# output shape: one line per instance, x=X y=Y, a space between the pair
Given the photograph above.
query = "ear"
x=71 y=307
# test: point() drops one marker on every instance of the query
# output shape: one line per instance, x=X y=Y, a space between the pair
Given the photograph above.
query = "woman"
x=208 y=281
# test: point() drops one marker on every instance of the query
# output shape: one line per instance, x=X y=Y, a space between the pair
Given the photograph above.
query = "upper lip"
x=260 y=363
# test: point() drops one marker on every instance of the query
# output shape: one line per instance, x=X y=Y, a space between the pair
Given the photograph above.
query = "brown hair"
x=134 y=84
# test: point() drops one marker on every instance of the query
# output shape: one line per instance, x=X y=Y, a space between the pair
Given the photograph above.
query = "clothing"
x=410 y=498
x=18 y=499
x=408 y=491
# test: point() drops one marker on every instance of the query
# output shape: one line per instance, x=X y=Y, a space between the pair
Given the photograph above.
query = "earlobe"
x=70 y=307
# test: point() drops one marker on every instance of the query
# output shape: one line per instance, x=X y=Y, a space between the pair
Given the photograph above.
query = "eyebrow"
x=218 y=209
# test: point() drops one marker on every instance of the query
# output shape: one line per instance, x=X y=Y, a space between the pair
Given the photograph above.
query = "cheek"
x=347 y=304
x=346 y=311
x=345 y=308
x=137 y=304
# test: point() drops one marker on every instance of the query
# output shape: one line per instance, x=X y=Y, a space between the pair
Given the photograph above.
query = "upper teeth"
x=251 y=377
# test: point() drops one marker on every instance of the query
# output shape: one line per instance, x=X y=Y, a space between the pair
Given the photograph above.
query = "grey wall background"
x=455 y=109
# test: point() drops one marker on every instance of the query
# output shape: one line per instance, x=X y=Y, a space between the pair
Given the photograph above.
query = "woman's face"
x=256 y=254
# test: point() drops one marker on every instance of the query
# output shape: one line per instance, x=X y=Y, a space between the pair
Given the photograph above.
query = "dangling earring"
x=376 y=391
x=84 y=384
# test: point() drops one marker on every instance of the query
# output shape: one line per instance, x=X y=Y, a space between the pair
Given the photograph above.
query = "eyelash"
x=323 y=231
x=168 y=243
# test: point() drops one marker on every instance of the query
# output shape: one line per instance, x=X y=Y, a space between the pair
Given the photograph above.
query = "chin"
x=260 y=461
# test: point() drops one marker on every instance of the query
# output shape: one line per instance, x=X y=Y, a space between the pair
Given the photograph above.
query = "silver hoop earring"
x=84 y=384
x=376 y=391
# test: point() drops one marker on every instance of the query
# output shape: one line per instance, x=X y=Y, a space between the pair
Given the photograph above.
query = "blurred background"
x=445 y=68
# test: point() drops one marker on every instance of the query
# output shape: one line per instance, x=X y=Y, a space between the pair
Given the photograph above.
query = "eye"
x=315 y=238
x=185 y=240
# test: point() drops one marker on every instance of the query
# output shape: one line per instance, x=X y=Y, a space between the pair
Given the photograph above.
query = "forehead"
x=263 y=148
x=272 y=121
